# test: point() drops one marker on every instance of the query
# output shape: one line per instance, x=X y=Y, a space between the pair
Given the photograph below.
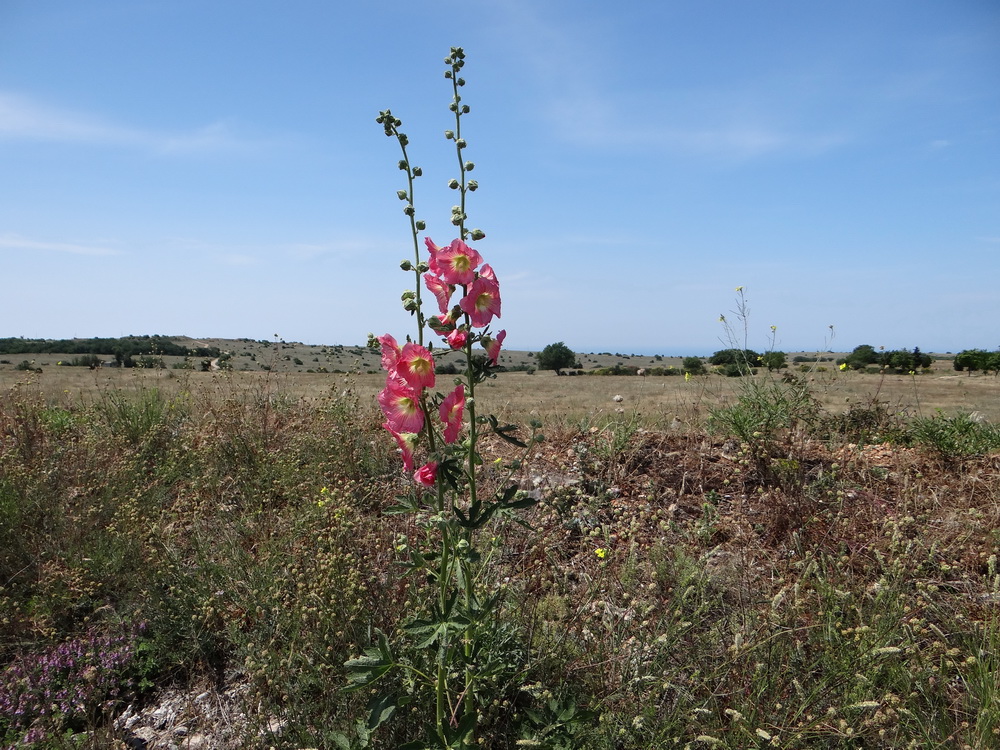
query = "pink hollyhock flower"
x=406 y=441
x=492 y=346
x=426 y=475
x=441 y=290
x=451 y=411
x=486 y=272
x=456 y=263
x=416 y=366
x=390 y=352
x=432 y=251
x=400 y=403
x=482 y=302
x=457 y=338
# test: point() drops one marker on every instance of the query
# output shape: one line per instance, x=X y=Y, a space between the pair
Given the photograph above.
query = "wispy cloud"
x=25 y=119
x=15 y=242
x=586 y=106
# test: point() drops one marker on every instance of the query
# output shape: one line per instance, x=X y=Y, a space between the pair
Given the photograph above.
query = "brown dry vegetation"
x=831 y=584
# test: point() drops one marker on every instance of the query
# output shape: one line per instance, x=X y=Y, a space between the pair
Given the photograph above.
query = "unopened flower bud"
x=478 y=234
x=453 y=183
x=461 y=143
x=406 y=265
x=465 y=109
x=449 y=134
x=453 y=107
x=408 y=294
x=473 y=186
x=403 y=140
x=422 y=267
x=402 y=164
x=409 y=210
x=447 y=73
x=401 y=194
x=460 y=81
x=421 y=225
x=469 y=166
x=410 y=305
x=417 y=171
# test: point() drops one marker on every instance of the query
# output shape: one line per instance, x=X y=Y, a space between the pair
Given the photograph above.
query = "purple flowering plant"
x=68 y=687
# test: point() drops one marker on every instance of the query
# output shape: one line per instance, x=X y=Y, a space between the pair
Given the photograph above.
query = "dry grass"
x=580 y=400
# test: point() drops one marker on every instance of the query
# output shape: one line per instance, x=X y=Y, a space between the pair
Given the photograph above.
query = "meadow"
x=189 y=558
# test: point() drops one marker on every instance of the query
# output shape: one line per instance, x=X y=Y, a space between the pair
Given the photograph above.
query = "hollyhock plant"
x=441 y=434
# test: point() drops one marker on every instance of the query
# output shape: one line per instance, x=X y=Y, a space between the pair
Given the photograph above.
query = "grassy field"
x=712 y=563
x=658 y=399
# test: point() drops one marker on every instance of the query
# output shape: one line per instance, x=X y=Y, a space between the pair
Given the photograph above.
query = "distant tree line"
x=127 y=346
x=977 y=359
x=899 y=360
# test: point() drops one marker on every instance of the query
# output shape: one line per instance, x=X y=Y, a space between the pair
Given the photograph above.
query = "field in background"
x=658 y=400
x=188 y=558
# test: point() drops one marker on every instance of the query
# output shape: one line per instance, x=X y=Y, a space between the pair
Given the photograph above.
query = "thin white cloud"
x=24 y=119
x=15 y=242
x=585 y=108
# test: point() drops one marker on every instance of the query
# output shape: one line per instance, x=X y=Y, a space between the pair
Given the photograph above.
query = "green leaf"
x=381 y=709
x=371 y=666
x=504 y=432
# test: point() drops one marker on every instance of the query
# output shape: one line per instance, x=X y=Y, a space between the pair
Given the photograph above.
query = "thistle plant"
x=446 y=654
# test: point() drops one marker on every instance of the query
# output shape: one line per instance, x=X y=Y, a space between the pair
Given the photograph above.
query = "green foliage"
x=899 y=360
x=861 y=356
x=126 y=347
x=556 y=357
x=765 y=414
x=977 y=359
x=774 y=360
x=693 y=365
x=741 y=358
x=955 y=437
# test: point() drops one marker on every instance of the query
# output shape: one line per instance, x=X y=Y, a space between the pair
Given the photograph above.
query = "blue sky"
x=198 y=168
